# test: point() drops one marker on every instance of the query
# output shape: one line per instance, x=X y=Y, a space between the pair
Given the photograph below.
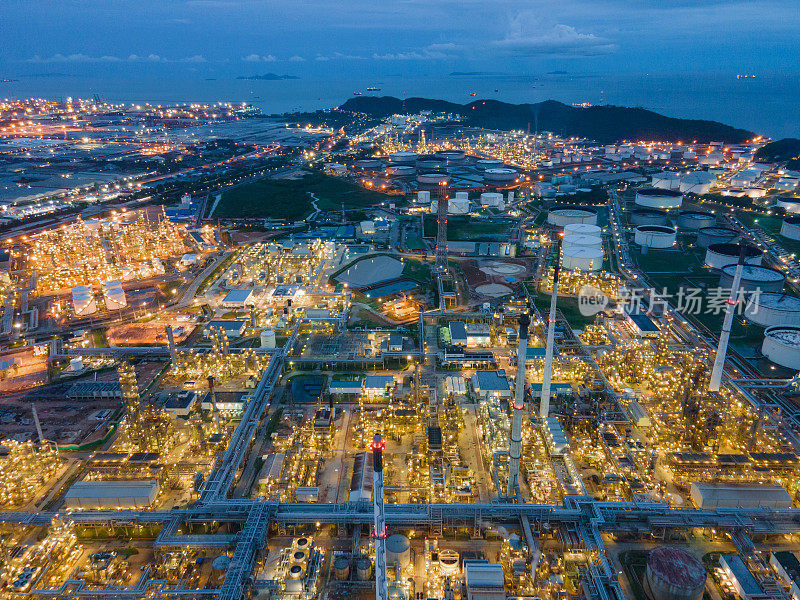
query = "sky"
x=362 y=38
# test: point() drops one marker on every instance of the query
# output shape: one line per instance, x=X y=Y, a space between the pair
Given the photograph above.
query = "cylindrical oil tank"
x=655 y=236
x=491 y=199
x=76 y=364
x=791 y=228
x=423 y=197
x=564 y=215
x=300 y=557
x=341 y=567
x=782 y=346
x=500 y=175
x=715 y=235
x=658 y=198
x=696 y=219
x=579 y=239
x=402 y=158
x=268 y=338
x=789 y=203
x=448 y=562
x=451 y=156
x=582 y=258
x=721 y=255
x=367 y=164
x=363 y=568
x=398 y=550
x=433 y=179
x=488 y=163
x=429 y=162
x=582 y=229
x=674 y=574
x=648 y=216
x=221 y=563
x=754 y=278
x=666 y=180
x=769 y=309
x=301 y=543
x=400 y=171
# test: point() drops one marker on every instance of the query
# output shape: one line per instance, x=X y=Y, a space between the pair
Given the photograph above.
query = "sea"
x=766 y=104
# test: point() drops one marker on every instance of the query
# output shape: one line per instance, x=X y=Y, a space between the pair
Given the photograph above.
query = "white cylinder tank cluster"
x=492 y=199
x=488 y=163
x=658 y=198
x=566 y=215
x=790 y=228
x=582 y=258
x=579 y=239
x=500 y=175
x=721 y=255
x=666 y=180
x=782 y=346
x=433 y=179
x=790 y=204
x=402 y=158
x=771 y=309
x=655 y=236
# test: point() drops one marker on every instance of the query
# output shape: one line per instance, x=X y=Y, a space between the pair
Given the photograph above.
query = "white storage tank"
x=400 y=171
x=754 y=278
x=402 y=158
x=655 y=236
x=721 y=255
x=695 y=219
x=114 y=294
x=76 y=364
x=367 y=164
x=430 y=162
x=658 y=198
x=782 y=346
x=83 y=300
x=697 y=182
x=500 y=175
x=666 y=180
x=452 y=156
x=448 y=562
x=268 y=338
x=294 y=578
x=769 y=309
x=582 y=258
x=423 y=196
x=790 y=228
x=433 y=179
x=462 y=196
x=578 y=239
x=582 y=229
x=398 y=550
x=564 y=215
x=789 y=203
x=491 y=199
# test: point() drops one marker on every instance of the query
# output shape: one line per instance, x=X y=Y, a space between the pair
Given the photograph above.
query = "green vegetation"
x=772 y=225
x=417 y=270
x=467 y=229
x=216 y=272
x=596 y=195
x=787 y=149
x=292 y=199
x=569 y=308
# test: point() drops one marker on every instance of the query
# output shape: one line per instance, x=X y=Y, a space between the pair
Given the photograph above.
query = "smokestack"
x=722 y=349
x=381 y=581
x=515 y=447
x=38 y=425
x=213 y=398
x=544 y=405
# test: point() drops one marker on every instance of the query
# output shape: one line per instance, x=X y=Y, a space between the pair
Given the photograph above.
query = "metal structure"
x=730 y=310
x=441 y=235
x=515 y=446
x=379 y=516
x=547 y=376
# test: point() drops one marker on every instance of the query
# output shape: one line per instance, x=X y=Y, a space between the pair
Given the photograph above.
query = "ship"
x=373 y=89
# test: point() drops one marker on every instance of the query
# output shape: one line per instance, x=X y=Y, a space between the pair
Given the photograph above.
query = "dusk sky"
x=408 y=37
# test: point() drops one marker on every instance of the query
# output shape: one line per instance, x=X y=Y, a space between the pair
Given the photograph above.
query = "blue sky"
x=337 y=38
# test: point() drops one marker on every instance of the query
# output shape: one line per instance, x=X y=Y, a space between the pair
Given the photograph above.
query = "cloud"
x=338 y=56
x=296 y=58
x=430 y=52
x=529 y=36
x=197 y=58
x=259 y=58
x=74 y=58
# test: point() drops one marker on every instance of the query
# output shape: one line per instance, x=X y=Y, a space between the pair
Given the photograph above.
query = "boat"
x=373 y=89
x=472 y=94
x=356 y=93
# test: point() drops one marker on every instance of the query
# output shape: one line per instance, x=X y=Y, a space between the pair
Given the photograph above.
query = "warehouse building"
x=718 y=495
x=102 y=495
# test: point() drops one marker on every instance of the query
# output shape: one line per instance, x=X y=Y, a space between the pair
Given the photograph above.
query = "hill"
x=787 y=149
x=606 y=124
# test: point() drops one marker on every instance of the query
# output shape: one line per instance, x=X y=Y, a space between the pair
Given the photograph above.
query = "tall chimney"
x=213 y=398
x=547 y=376
x=171 y=343
x=381 y=581
x=724 y=336
x=38 y=425
x=515 y=447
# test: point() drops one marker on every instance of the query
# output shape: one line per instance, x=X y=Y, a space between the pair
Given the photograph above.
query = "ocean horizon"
x=765 y=104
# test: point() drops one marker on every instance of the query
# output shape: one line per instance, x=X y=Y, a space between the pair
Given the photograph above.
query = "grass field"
x=465 y=229
x=568 y=307
x=290 y=198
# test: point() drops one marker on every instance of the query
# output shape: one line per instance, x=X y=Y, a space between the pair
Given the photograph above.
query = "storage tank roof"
x=677 y=567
